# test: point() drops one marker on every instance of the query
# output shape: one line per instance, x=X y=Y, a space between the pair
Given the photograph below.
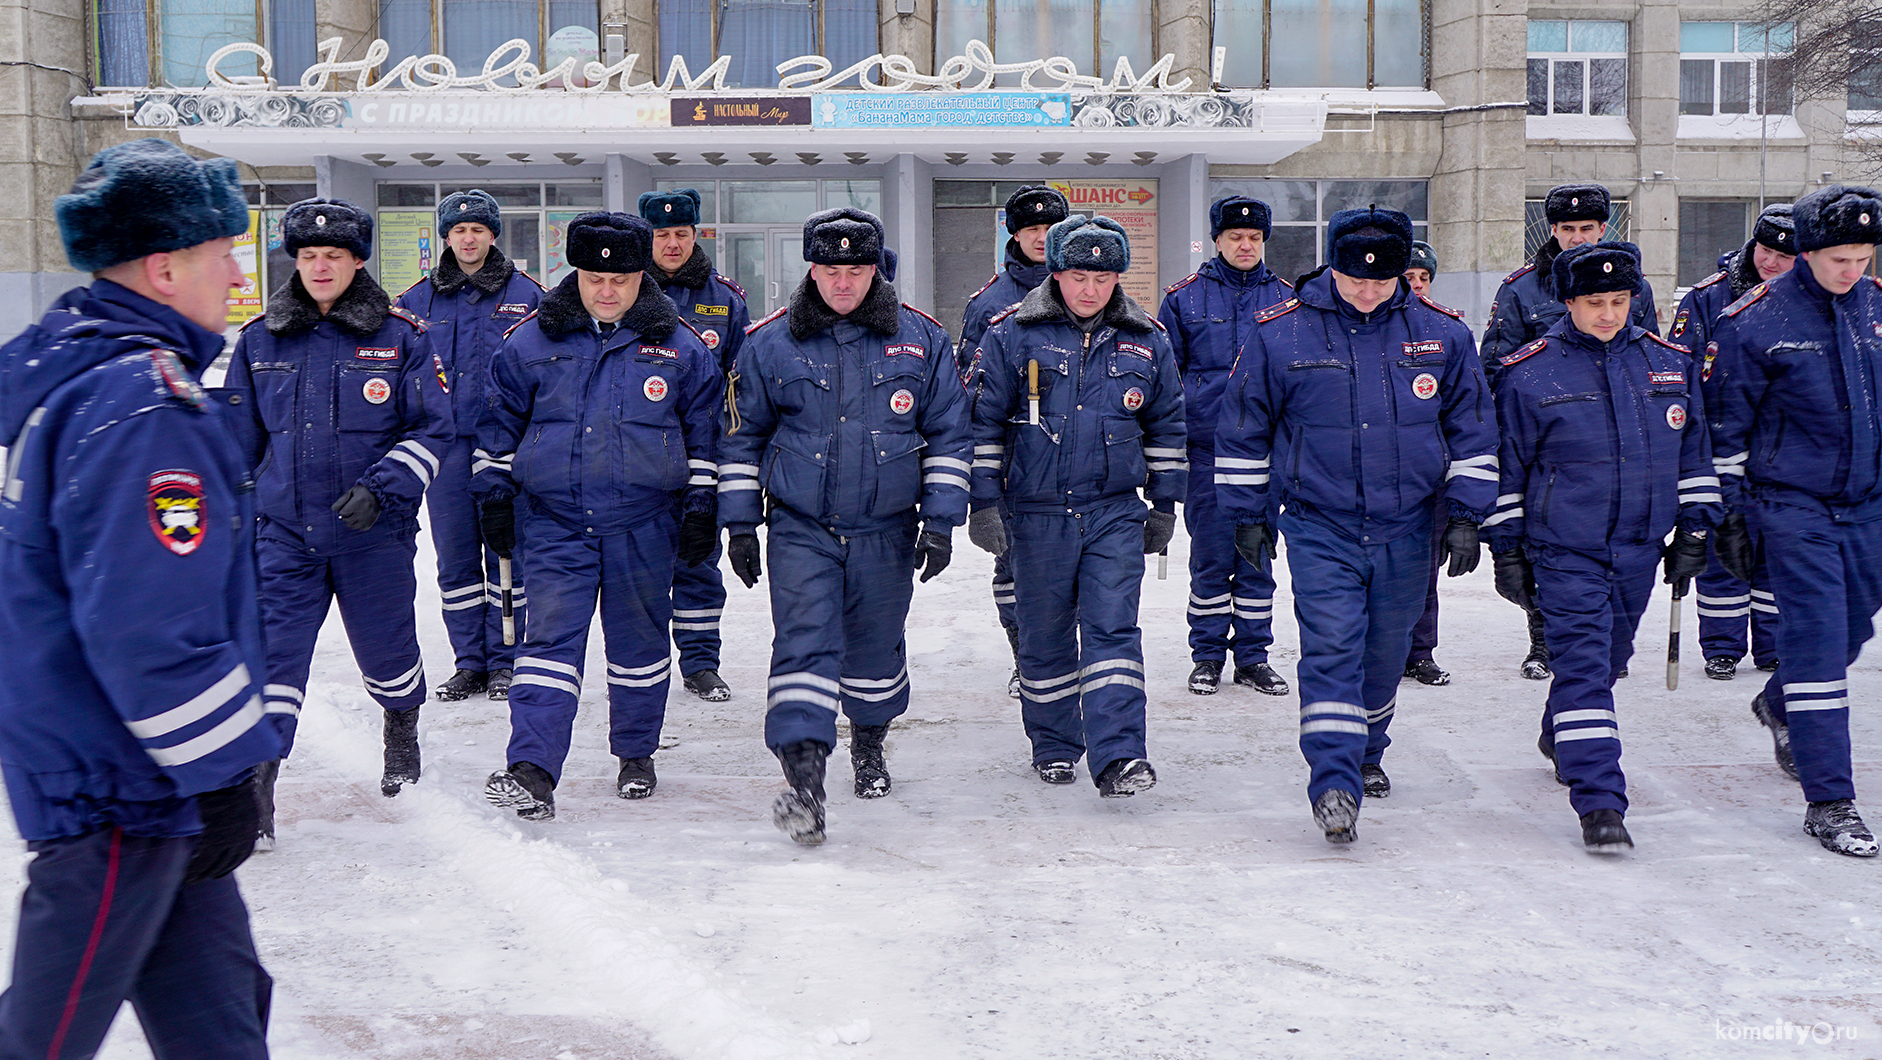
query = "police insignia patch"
x=1679 y=323
x=1133 y=399
x=710 y=338
x=375 y=353
x=660 y=351
x=902 y=402
x=655 y=388
x=1712 y=353
x=377 y=391
x=174 y=503
x=1656 y=378
x=1425 y=386
x=437 y=363
x=906 y=349
x=1676 y=416
x=1136 y=350
x=1422 y=347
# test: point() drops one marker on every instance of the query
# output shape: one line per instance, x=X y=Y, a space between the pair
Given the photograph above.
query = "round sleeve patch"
x=377 y=390
x=174 y=502
x=655 y=388
x=1676 y=416
x=1425 y=386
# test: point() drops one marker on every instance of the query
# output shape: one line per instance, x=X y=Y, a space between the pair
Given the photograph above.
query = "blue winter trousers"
x=1231 y=601
x=467 y=570
x=1724 y=605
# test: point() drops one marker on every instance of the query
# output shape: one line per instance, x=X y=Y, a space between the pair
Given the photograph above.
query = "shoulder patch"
x=409 y=317
x=1687 y=350
x=1446 y=310
x=1285 y=282
x=531 y=279
x=923 y=315
x=252 y=321
x=413 y=287
x=519 y=324
x=1278 y=309
x=984 y=286
x=1527 y=351
x=176 y=380
x=1710 y=280
x=1877 y=280
x=1161 y=326
x=1182 y=283
x=1520 y=273
x=1003 y=314
x=733 y=287
x=1749 y=297
x=775 y=314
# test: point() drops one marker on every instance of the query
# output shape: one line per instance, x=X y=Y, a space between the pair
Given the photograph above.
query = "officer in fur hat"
x=848 y=416
x=473 y=295
x=1420 y=665
x=1358 y=407
x=350 y=403
x=602 y=423
x=715 y=307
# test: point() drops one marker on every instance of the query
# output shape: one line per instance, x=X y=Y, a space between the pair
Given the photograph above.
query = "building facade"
x=929 y=112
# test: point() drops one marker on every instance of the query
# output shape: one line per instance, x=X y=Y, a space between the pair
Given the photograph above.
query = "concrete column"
x=43 y=45
x=1182 y=218
x=910 y=35
x=907 y=215
x=1653 y=68
x=355 y=22
x=1183 y=31
x=623 y=183
x=643 y=37
x=336 y=178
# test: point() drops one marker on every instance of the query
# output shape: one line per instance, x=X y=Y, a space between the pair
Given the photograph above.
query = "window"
x=126 y=54
x=1734 y=68
x=1091 y=34
x=1707 y=230
x=1322 y=43
x=1577 y=68
x=760 y=34
x=534 y=217
x=467 y=31
x=1302 y=207
x=1865 y=75
x=1536 y=224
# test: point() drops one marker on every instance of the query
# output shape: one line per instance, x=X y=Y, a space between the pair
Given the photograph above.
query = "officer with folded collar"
x=1604 y=452
x=597 y=462
x=1799 y=450
x=469 y=300
x=1077 y=406
x=1359 y=407
x=343 y=392
x=847 y=414
x=1206 y=315
x=1724 y=602
x=715 y=307
x=1031 y=212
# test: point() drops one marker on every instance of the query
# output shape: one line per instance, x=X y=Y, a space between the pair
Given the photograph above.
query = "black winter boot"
x=1603 y=833
x=526 y=788
x=401 y=740
x=636 y=779
x=462 y=685
x=265 y=776
x=798 y=812
x=872 y=767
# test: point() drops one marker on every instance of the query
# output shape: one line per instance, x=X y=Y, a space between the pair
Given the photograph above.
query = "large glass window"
x=1734 y=68
x=125 y=53
x=1577 y=68
x=1094 y=34
x=1321 y=43
x=1302 y=207
x=760 y=34
x=467 y=31
x=1708 y=229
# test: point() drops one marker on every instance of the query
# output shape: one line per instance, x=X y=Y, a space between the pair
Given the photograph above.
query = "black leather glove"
x=1515 y=578
x=497 y=518
x=699 y=531
x=935 y=549
x=357 y=508
x=1159 y=528
x=1255 y=542
x=742 y=549
x=985 y=529
x=1459 y=545
x=1685 y=559
x=1731 y=540
x=231 y=821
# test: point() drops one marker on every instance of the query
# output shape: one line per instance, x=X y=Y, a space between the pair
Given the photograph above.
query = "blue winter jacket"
x=1799 y=418
x=854 y=421
x=712 y=304
x=134 y=662
x=1208 y=316
x=1110 y=409
x=1602 y=443
x=601 y=434
x=465 y=320
x=1698 y=314
x=1361 y=419
x=1015 y=280
x=354 y=397
x=1526 y=307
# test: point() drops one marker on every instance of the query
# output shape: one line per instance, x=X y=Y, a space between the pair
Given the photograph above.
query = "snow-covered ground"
x=977 y=914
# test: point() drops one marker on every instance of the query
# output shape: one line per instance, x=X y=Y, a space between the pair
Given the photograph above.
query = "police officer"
x=350 y=408
x=1526 y=307
x=1799 y=450
x=1420 y=666
x=602 y=416
x=715 y=307
x=1206 y=316
x=1078 y=406
x=130 y=717
x=1604 y=452
x=847 y=414
x=1725 y=602
x=1031 y=211
x=469 y=300
x=1359 y=406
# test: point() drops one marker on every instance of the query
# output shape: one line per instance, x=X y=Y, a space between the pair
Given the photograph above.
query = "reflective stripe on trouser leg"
x=878 y=584
x=1424 y=638
x=1724 y=604
x=376 y=589
x=1593 y=610
x=636 y=605
x=1827 y=578
x=698 y=602
x=1003 y=588
x=1764 y=615
x=1078 y=578
x=1231 y=601
x=1355 y=630
x=565 y=567
x=458 y=541
x=296 y=594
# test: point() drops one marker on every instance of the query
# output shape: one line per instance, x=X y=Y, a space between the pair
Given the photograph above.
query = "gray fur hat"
x=147 y=197
x=475 y=206
x=326 y=223
x=1097 y=244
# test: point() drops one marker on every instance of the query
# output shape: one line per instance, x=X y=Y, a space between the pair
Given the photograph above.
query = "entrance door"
x=788 y=267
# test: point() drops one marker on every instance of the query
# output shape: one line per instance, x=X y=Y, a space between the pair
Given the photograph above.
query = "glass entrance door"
x=788 y=267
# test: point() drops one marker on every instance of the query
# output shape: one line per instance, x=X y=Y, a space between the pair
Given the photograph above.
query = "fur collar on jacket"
x=361 y=310
x=694 y=273
x=447 y=278
x=1045 y=306
x=652 y=316
x=880 y=311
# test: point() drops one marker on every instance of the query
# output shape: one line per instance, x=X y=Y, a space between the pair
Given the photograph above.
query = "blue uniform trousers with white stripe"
x=106 y=918
x=1003 y=594
x=1356 y=602
x=1591 y=607
x=1081 y=659
x=698 y=602
x=839 y=606
x=1827 y=575
x=467 y=571
x=375 y=588
x=1724 y=605
x=1231 y=601
x=631 y=573
x=1425 y=632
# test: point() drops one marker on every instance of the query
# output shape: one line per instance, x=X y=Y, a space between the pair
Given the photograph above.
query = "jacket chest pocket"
x=898 y=471
x=1124 y=467
x=802 y=384
x=897 y=386
x=366 y=399
x=1806 y=379
x=1576 y=428
x=277 y=393
x=557 y=388
x=1319 y=393
x=651 y=390
x=1415 y=388
x=1665 y=412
